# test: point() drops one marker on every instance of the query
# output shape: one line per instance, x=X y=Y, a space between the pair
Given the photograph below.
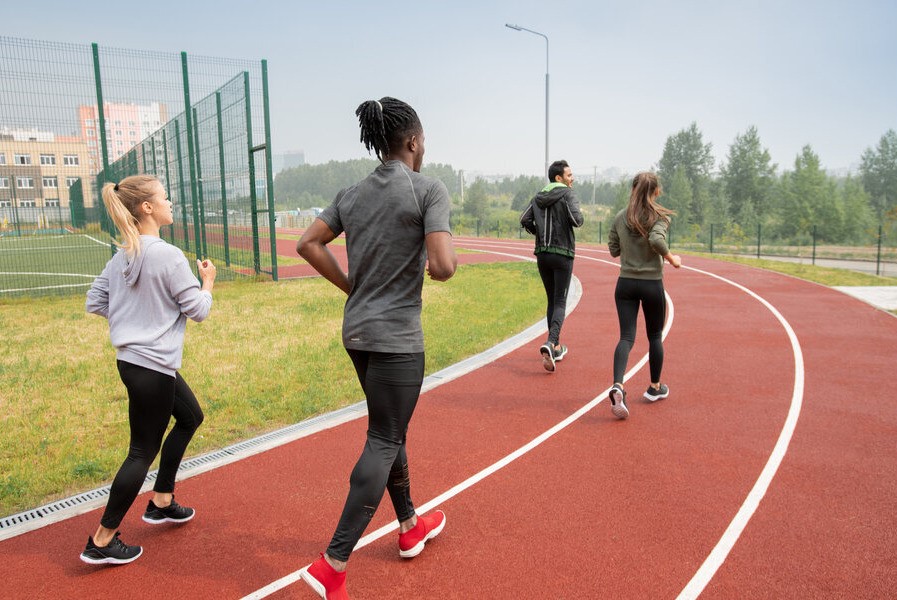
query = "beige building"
x=37 y=168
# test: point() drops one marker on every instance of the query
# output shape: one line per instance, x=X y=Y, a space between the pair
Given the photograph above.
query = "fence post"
x=200 y=196
x=711 y=238
x=269 y=171
x=878 y=256
x=181 y=194
x=221 y=174
x=105 y=221
x=191 y=156
x=600 y=223
x=814 y=244
x=758 y=239
x=253 y=198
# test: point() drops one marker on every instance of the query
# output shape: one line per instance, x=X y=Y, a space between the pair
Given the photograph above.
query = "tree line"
x=745 y=192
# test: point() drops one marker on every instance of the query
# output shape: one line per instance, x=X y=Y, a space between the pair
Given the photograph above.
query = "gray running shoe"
x=653 y=395
x=560 y=351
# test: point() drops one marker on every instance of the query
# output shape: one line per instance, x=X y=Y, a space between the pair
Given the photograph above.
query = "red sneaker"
x=325 y=580
x=411 y=543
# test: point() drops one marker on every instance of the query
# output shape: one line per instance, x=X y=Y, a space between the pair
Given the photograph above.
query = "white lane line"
x=470 y=481
x=719 y=553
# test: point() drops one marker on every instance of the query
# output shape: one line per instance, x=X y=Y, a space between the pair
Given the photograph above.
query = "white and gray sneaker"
x=653 y=395
x=547 y=357
x=559 y=352
x=618 y=402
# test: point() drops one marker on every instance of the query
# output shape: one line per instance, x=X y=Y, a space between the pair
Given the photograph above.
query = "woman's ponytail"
x=122 y=201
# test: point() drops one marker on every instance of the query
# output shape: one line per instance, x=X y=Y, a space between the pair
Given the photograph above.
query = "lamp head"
x=515 y=27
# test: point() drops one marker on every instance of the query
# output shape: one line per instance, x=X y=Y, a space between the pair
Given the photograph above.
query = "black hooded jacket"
x=551 y=216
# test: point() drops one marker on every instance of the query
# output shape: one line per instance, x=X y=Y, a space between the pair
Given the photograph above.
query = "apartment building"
x=37 y=168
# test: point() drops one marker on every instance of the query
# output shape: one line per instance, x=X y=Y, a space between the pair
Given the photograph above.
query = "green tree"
x=857 y=215
x=476 y=200
x=879 y=173
x=686 y=151
x=748 y=178
x=808 y=199
x=678 y=196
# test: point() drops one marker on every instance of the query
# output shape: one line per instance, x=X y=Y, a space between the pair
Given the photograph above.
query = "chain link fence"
x=73 y=117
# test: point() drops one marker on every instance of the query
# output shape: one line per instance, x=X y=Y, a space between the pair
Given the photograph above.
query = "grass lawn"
x=269 y=355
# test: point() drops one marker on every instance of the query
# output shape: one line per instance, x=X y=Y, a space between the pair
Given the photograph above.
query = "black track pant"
x=631 y=293
x=391 y=384
x=555 y=271
x=153 y=398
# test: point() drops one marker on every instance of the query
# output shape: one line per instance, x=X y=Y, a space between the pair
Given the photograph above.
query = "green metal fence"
x=73 y=117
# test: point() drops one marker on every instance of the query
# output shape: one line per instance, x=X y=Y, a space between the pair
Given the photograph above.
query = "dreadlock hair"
x=122 y=200
x=643 y=210
x=385 y=124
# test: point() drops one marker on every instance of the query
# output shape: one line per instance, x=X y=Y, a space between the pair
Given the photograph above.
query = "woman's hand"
x=207 y=272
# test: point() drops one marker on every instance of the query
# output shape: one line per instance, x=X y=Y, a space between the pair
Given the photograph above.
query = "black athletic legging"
x=555 y=271
x=628 y=295
x=391 y=385
x=153 y=398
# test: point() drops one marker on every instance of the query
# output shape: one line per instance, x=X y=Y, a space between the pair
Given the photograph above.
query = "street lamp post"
x=519 y=28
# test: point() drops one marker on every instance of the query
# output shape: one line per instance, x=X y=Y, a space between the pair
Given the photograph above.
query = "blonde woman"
x=147 y=292
x=638 y=236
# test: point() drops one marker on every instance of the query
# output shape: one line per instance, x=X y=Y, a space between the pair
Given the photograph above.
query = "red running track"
x=601 y=508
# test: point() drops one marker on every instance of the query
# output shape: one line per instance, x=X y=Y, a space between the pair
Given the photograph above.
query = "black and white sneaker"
x=173 y=513
x=547 y=357
x=618 y=402
x=560 y=351
x=115 y=553
x=653 y=395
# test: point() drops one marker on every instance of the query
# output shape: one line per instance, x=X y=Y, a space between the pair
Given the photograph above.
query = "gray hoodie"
x=147 y=302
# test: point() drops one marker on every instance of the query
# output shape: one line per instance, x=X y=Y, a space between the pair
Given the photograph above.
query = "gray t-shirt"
x=385 y=217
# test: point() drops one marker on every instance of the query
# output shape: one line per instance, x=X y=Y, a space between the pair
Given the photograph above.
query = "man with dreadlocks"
x=396 y=223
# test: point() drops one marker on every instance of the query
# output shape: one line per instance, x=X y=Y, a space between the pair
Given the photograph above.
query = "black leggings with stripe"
x=391 y=385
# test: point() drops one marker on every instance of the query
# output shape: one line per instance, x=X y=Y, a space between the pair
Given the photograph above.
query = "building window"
x=118 y=133
x=118 y=123
x=51 y=202
x=70 y=181
x=48 y=159
x=4 y=183
x=91 y=143
x=26 y=204
x=49 y=182
x=5 y=204
x=71 y=160
x=90 y=133
x=23 y=159
x=2 y=158
x=88 y=122
x=24 y=183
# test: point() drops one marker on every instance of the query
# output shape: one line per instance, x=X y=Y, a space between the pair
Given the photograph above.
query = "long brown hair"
x=122 y=200
x=643 y=210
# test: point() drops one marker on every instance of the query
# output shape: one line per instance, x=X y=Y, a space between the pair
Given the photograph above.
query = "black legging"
x=555 y=271
x=153 y=398
x=391 y=385
x=628 y=295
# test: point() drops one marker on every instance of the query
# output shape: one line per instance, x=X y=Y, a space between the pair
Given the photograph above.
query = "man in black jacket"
x=551 y=216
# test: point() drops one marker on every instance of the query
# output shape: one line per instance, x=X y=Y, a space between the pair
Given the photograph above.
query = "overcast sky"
x=624 y=74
